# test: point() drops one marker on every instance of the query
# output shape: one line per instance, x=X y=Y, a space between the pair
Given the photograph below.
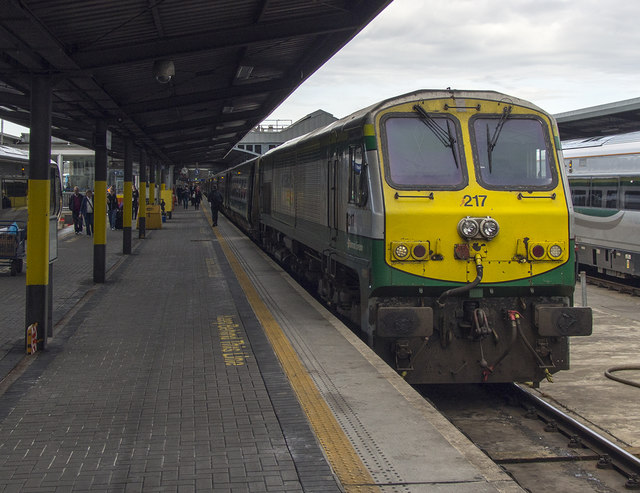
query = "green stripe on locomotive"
x=383 y=277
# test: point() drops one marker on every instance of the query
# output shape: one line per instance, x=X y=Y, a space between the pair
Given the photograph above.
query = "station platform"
x=199 y=365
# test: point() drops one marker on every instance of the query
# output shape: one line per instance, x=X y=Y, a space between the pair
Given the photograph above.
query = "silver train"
x=604 y=176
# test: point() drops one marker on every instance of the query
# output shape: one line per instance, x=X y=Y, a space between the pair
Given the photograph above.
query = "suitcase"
x=119 y=219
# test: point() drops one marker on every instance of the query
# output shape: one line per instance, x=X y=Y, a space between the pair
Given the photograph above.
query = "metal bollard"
x=583 y=287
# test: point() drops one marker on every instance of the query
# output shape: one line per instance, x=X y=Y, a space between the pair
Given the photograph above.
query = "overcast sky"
x=562 y=55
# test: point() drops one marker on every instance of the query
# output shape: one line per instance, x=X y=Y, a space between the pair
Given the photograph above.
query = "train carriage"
x=439 y=222
x=14 y=179
x=604 y=175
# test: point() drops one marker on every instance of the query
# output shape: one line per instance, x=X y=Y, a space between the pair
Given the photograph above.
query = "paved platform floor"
x=136 y=391
x=72 y=278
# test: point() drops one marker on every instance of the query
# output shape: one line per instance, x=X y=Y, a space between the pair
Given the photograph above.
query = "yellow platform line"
x=351 y=472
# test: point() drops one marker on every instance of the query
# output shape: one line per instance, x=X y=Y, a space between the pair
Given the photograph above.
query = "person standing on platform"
x=87 y=211
x=112 y=207
x=198 y=198
x=75 y=205
x=185 y=197
x=215 y=199
x=135 y=195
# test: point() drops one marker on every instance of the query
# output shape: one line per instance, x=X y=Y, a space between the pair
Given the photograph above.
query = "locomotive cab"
x=477 y=242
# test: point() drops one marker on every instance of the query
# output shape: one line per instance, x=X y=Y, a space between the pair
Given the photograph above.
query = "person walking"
x=75 y=205
x=135 y=195
x=112 y=207
x=185 y=197
x=215 y=199
x=86 y=209
x=198 y=198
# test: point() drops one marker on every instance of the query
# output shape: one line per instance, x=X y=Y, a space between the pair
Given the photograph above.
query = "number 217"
x=475 y=201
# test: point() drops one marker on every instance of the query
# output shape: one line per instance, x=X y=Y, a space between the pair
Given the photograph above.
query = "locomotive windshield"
x=423 y=152
x=512 y=152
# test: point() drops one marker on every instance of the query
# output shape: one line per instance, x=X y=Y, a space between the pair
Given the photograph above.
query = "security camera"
x=163 y=70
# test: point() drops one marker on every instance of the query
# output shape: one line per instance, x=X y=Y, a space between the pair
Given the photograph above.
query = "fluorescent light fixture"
x=244 y=72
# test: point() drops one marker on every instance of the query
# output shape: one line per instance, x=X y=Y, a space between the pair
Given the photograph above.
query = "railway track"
x=542 y=448
x=619 y=286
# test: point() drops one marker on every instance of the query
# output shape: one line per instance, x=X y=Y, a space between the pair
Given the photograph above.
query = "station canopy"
x=184 y=79
x=599 y=121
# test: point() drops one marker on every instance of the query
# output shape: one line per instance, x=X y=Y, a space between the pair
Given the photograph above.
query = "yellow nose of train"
x=487 y=209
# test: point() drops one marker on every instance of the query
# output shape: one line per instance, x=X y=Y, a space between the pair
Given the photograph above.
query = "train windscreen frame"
x=513 y=152
x=416 y=158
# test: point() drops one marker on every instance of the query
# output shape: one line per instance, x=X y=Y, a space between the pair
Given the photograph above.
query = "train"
x=604 y=176
x=14 y=183
x=438 y=223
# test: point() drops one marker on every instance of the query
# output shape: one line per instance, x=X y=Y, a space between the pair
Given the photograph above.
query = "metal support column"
x=39 y=190
x=142 y=209
x=161 y=195
x=128 y=197
x=100 y=205
x=152 y=183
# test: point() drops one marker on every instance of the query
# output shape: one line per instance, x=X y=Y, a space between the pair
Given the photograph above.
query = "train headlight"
x=489 y=228
x=468 y=228
x=555 y=251
x=401 y=251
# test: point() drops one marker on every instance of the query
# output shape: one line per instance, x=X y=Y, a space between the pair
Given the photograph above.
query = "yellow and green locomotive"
x=439 y=222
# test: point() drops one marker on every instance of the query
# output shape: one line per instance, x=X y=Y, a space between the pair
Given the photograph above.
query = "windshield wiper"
x=492 y=141
x=443 y=136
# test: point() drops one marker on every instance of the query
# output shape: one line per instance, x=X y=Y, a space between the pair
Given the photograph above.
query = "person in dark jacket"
x=135 y=197
x=198 y=198
x=87 y=211
x=215 y=199
x=112 y=207
x=75 y=204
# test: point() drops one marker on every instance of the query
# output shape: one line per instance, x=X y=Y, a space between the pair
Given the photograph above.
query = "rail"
x=610 y=455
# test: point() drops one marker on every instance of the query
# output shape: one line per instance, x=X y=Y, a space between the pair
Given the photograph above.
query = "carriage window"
x=55 y=199
x=632 y=201
x=579 y=197
x=512 y=152
x=579 y=190
x=423 y=153
x=357 y=177
x=14 y=193
x=596 y=198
